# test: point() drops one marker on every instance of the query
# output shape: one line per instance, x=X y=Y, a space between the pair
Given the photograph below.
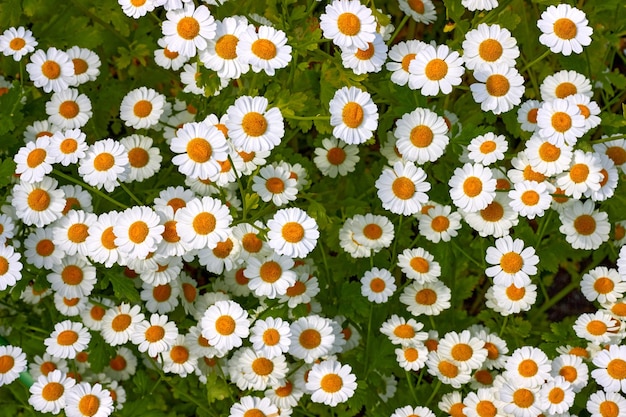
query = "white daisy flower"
x=348 y=23
x=187 y=30
x=73 y=277
x=199 y=148
x=602 y=284
x=377 y=285
x=429 y=298
x=17 y=42
x=331 y=383
x=473 y=5
x=264 y=50
x=615 y=150
x=463 y=349
x=252 y=127
x=119 y=322
x=274 y=183
x=68 y=146
x=12 y=363
x=105 y=164
x=154 y=336
x=563 y=84
x=411 y=358
x=489 y=44
x=224 y=324
x=528 y=366
x=221 y=54
x=598 y=328
x=402 y=188
x=422 y=136
x=161 y=299
x=502 y=89
x=519 y=400
x=606 y=404
x=33 y=161
x=512 y=262
x=85 y=400
x=565 y=29
x=336 y=157
x=47 y=394
x=271 y=276
x=527 y=115
x=584 y=227
x=167 y=58
x=401 y=55
x=86 y=65
x=353 y=115
x=292 y=232
x=610 y=372
x=588 y=108
x=312 y=337
x=572 y=369
x=136 y=9
x=436 y=69
x=51 y=70
x=419 y=265
x=446 y=371
x=530 y=198
x=203 y=222
x=141 y=108
x=143 y=158
x=494 y=220
x=138 y=231
x=560 y=122
x=366 y=60
x=472 y=187
x=39 y=203
x=546 y=158
x=488 y=148
x=422 y=11
x=439 y=224
x=270 y=336
x=249 y=405
x=511 y=299
x=67 y=339
x=68 y=109
x=403 y=332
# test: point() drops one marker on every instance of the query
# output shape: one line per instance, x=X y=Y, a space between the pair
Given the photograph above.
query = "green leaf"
x=100 y=352
x=7 y=169
x=123 y=288
x=216 y=388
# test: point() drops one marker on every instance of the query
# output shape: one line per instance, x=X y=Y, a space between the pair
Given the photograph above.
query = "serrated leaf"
x=7 y=169
x=216 y=388
x=100 y=353
x=123 y=288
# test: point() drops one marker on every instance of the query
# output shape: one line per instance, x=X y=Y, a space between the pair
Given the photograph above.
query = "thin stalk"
x=537 y=60
x=323 y=118
x=432 y=395
x=557 y=297
x=467 y=255
x=130 y=193
x=506 y=319
x=367 y=341
x=409 y=381
x=398 y=29
x=89 y=187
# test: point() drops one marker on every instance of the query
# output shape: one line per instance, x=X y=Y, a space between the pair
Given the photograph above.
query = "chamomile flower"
x=77 y=198
x=68 y=109
x=583 y=226
x=412 y=357
x=331 y=383
x=519 y=400
x=463 y=349
x=162 y=298
x=203 y=222
x=377 y=285
x=264 y=50
x=436 y=69
x=312 y=337
x=44 y=364
x=572 y=369
x=429 y=298
x=530 y=198
x=402 y=188
x=270 y=276
x=400 y=57
x=336 y=157
x=73 y=277
x=119 y=322
x=403 y=332
x=270 y=337
x=418 y=264
x=7 y=228
x=68 y=146
x=602 y=284
x=274 y=183
x=563 y=84
x=615 y=150
x=249 y=405
x=606 y=404
x=589 y=109
x=560 y=122
x=610 y=372
x=488 y=148
x=67 y=339
x=33 y=160
x=167 y=58
x=17 y=42
x=527 y=115
x=446 y=371
x=136 y=9
x=39 y=203
x=138 y=231
x=105 y=164
x=366 y=60
x=528 y=366
x=353 y=115
x=511 y=261
x=86 y=65
x=47 y=394
x=188 y=29
x=221 y=54
x=252 y=127
x=51 y=70
x=439 y=224
x=422 y=11
x=38 y=129
x=12 y=363
x=472 y=187
x=494 y=220
x=348 y=23
x=199 y=147
x=598 y=328
x=489 y=44
x=584 y=174
x=142 y=107
x=85 y=400
x=499 y=87
x=224 y=324
x=511 y=299
x=292 y=232
x=546 y=158
x=154 y=336
x=565 y=29
x=422 y=136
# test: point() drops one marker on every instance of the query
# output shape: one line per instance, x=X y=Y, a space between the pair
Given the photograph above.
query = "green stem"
x=99 y=21
x=132 y=196
x=609 y=139
x=398 y=29
x=432 y=395
x=506 y=319
x=467 y=255
x=542 y=229
x=367 y=341
x=323 y=118
x=241 y=190
x=538 y=59
x=557 y=297
x=409 y=380
x=432 y=322
x=88 y=187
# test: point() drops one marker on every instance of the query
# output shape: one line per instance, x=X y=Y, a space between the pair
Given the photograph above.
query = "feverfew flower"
x=565 y=29
x=353 y=115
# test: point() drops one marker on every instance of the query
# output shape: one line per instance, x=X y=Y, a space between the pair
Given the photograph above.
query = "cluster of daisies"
x=277 y=360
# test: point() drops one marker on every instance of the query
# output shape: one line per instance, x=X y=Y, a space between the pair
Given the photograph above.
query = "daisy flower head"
x=377 y=285
x=606 y=404
x=488 y=148
x=221 y=52
x=422 y=11
x=144 y=159
x=33 y=161
x=251 y=406
x=47 y=394
x=418 y=264
x=264 y=50
x=429 y=298
x=138 y=231
x=572 y=369
x=118 y=323
x=615 y=150
x=463 y=349
x=402 y=188
x=530 y=198
x=270 y=336
x=12 y=363
x=141 y=108
x=565 y=29
x=598 y=328
x=336 y=157
x=252 y=127
x=373 y=231
x=583 y=226
x=302 y=291
x=136 y=9
x=473 y=5
x=271 y=276
x=610 y=372
x=494 y=220
x=51 y=70
x=528 y=366
x=370 y=59
x=202 y=223
x=499 y=87
x=274 y=183
x=68 y=146
x=436 y=69
x=168 y=59
x=422 y=136
x=546 y=158
x=446 y=371
x=489 y=44
x=68 y=109
x=225 y=324
x=105 y=164
x=603 y=284
x=331 y=383
x=511 y=299
x=512 y=262
x=560 y=122
x=348 y=23
x=563 y=84
x=518 y=400
x=439 y=224
x=39 y=203
x=188 y=29
x=67 y=339
x=588 y=108
x=292 y=232
x=86 y=400
x=73 y=277
x=154 y=336
x=353 y=115
x=199 y=147
x=527 y=115
x=86 y=65
x=472 y=187
x=401 y=331
x=71 y=231
x=312 y=337
x=17 y=42
x=400 y=57
x=77 y=198
x=411 y=358
x=7 y=227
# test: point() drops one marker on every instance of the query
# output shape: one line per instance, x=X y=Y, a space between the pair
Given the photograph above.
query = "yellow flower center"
x=421 y=136
x=436 y=69
x=349 y=24
x=264 y=49
x=188 y=28
x=490 y=50
x=565 y=29
x=226 y=47
x=497 y=85
x=352 y=114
